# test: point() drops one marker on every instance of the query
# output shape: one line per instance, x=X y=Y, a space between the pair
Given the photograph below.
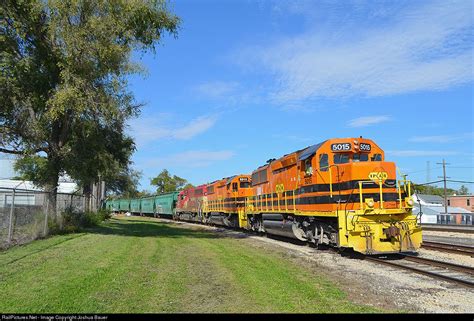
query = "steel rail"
x=442 y=264
x=468 y=229
x=449 y=247
x=419 y=270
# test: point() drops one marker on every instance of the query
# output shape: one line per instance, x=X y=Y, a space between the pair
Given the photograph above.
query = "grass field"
x=140 y=265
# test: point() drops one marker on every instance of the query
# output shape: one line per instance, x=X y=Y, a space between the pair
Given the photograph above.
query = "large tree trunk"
x=51 y=188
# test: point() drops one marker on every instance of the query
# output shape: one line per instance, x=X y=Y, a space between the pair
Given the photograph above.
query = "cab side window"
x=308 y=168
x=234 y=187
x=360 y=157
x=376 y=158
x=341 y=158
x=323 y=162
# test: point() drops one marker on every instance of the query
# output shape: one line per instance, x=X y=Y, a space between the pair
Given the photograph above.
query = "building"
x=433 y=211
x=428 y=200
x=464 y=201
x=28 y=194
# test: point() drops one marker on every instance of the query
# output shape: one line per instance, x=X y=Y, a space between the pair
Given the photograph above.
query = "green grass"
x=139 y=265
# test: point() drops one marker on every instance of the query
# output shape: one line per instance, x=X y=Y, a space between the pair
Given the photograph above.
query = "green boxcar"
x=112 y=205
x=124 y=205
x=108 y=205
x=115 y=205
x=135 y=205
x=166 y=203
x=148 y=205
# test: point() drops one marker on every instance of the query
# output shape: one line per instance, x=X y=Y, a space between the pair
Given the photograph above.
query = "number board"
x=365 y=147
x=244 y=179
x=341 y=147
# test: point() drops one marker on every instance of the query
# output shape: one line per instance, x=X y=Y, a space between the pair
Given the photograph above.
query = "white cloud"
x=441 y=138
x=421 y=153
x=367 y=121
x=217 y=89
x=150 y=129
x=195 y=127
x=192 y=158
x=426 y=48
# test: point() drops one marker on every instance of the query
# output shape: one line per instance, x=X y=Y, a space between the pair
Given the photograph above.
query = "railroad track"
x=451 y=272
x=460 y=274
x=448 y=247
x=469 y=229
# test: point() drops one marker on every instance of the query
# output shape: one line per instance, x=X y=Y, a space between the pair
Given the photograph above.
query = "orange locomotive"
x=225 y=198
x=340 y=192
x=217 y=203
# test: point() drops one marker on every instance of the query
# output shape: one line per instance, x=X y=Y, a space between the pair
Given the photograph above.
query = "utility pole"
x=444 y=180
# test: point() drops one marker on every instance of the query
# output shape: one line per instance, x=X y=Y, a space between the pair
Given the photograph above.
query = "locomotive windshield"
x=341 y=158
x=362 y=157
x=244 y=184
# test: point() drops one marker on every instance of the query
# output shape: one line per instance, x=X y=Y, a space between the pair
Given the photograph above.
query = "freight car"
x=158 y=205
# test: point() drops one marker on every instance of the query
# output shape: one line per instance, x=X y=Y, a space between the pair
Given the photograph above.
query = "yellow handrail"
x=330 y=182
x=381 y=193
x=399 y=194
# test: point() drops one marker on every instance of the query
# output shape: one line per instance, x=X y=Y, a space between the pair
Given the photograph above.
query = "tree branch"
x=21 y=152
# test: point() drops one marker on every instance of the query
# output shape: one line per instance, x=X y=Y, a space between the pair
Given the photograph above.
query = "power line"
x=454 y=181
x=428 y=183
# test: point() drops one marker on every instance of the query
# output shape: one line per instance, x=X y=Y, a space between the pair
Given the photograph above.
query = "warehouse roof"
x=436 y=210
x=63 y=187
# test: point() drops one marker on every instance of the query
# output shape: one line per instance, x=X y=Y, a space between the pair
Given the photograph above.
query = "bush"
x=75 y=221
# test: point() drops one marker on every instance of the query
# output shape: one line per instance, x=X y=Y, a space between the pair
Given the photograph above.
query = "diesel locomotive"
x=341 y=192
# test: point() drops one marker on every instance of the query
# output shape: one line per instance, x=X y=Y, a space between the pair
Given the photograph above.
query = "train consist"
x=340 y=192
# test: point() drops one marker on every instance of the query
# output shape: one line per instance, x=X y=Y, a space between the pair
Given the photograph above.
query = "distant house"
x=433 y=211
x=425 y=199
x=464 y=201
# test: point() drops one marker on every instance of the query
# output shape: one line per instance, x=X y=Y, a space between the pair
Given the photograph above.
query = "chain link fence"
x=26 y=215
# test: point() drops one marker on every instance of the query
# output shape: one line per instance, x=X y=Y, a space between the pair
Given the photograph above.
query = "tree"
x=165 y=183
x=124 y=183
x=463 y=190
x=63 y=82
x=432 y=190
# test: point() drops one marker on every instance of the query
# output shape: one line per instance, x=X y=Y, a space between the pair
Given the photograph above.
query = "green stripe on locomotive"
x=165 y=203
x=124 y=205
x=148 y=205
x=135 y=205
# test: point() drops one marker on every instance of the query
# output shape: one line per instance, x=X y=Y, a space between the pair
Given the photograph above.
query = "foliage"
x=463 y=190
x=167 y=183
x=75 y=221
x=124 y=183
x=434 y=190
x=188 y=185
x=63 y=83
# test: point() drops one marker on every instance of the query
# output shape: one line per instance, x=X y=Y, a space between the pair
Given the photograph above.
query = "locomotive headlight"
x=409 y=202
x=370 y=202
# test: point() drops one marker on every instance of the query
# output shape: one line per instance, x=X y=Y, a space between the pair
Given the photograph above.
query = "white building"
x=434 y=212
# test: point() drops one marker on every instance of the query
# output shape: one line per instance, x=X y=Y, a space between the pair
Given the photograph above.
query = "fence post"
x=45 y=232
x=10 y=225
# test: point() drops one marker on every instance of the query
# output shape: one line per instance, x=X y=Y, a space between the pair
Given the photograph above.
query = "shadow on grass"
x=44 y=247
x=140 y=228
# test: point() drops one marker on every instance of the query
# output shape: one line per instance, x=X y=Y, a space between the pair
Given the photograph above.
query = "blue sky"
x=246 y=81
